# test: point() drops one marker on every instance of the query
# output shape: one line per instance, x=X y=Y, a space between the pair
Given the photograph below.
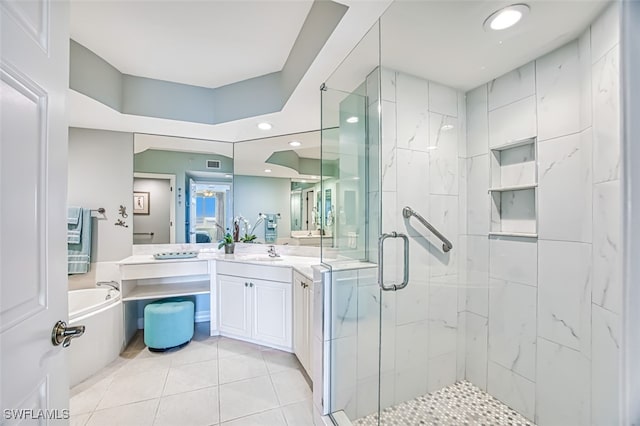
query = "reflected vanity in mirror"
x=266 y=190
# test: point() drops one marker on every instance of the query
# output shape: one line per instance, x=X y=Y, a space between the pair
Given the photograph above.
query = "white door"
x=34 y=71
x=272 y=312
x=235 y=306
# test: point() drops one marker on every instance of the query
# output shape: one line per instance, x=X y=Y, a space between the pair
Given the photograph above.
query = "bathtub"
x=103 y=338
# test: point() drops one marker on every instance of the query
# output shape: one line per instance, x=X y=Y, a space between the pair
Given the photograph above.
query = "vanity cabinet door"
x=299 y=318
x=272 y=313
x=302 y=323
x=235 y=305
x=308 y=337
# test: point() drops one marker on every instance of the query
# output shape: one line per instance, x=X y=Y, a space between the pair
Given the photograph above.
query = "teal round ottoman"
x=168 y=323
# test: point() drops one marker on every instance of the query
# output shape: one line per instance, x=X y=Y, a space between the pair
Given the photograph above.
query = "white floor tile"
x=195 y=352
x=230 y=347
x=87 y=400
x=188 y=377
x=280 y=361
x=299 y=414
x=241 y=367
x=197 y=408
x=267 y=418
x=79 y=420
x=246 y=397
x=290 y=387
x=137 y=414
x=133 y=388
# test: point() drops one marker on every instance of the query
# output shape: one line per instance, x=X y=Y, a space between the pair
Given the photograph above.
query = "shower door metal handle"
x=405 y=278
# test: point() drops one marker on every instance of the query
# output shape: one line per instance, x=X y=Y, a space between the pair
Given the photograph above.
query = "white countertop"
x=301 y=264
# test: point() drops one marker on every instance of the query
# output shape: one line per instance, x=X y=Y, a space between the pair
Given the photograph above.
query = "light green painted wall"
x=179 y=164
x=253 y=195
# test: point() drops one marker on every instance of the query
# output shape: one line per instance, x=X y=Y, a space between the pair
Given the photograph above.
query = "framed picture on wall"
x=140 y=203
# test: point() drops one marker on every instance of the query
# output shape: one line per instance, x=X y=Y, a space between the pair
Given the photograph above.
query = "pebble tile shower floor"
x=459 y=404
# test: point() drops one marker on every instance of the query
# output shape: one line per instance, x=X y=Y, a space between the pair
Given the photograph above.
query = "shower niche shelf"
x=514 y=189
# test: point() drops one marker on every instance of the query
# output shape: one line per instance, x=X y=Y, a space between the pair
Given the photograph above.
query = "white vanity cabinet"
x=255 y=303
x=302 y=319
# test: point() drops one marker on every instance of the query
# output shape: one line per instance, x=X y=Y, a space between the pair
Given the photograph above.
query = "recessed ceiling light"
x=267 y=170
x=264 y=126
x=446 y=127
x=303 y=181
x=295 y=143
x=314 y=177
x=352 y=119
x=506 y=17
x=228 y=176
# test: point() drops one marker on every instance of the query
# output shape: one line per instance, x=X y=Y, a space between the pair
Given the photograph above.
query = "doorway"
x=157 y=224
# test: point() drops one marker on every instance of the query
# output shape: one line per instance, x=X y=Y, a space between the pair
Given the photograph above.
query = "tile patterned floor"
x=211 y=381
x=459 y=404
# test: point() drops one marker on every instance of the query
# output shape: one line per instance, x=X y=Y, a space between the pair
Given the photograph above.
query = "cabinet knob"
x=246 y=284
x=250 y=284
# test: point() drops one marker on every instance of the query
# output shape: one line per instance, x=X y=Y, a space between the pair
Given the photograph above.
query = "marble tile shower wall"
x=421 y=161
x=542 y=317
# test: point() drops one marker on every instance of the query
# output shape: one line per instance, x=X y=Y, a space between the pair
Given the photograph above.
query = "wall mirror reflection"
x=189 y=182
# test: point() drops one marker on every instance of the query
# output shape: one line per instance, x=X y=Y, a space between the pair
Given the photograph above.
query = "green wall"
x=179 y=164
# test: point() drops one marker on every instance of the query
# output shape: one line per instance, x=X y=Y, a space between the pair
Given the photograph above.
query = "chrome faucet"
x=112 y=284
x=272 y=251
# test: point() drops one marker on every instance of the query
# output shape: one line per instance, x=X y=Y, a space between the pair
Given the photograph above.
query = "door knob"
x=61 y=334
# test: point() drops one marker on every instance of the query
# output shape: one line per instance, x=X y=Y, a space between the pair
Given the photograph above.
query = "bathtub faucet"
x=112 y=284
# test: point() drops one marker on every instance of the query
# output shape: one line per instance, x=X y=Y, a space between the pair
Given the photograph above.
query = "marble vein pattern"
x=563 y=383
x=607 y=248
x=477 y=197
x=513 y=122
x=513 y=259
x=605 y=364
x=584 y=55
x=512 y=327
x=512 y=86
x=412 y=103
x=477 y=267
x=388 y=149
x=512 y=389
x=605 y=32
x=565 y=188
x=477 y=122
x=443 y=154
x=476 y=349
x=443 y=99
x=558 y=92
x=564 y=293
x=606 y=117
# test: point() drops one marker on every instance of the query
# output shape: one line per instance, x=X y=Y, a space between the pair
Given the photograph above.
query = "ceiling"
x=440 y=40
x=202 y=43
x=444 y=41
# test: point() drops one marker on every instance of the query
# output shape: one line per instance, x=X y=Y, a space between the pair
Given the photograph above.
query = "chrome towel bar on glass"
x=407 y=212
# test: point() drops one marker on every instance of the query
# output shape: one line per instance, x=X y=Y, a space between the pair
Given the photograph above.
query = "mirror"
x=266 y=190
x=188 y=184
x=279 y=178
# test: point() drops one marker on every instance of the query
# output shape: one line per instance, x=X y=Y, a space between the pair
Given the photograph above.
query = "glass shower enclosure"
x=475 y=204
